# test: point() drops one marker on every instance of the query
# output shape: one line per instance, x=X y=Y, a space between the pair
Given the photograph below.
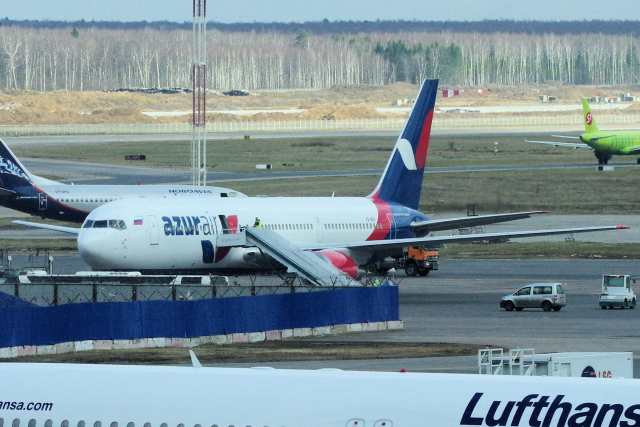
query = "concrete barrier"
x=65 y=347
x=83 y=345
x=75 y=346
x=9 y=352
x=46 y=349
x=103 y=344
x=27 y=350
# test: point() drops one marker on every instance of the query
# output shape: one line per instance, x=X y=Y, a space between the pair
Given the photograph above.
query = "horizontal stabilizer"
x=565 y=136
x=561 y=144
x=470 y=221
x=60 y=228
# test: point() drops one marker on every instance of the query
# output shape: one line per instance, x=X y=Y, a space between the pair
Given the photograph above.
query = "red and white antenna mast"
x=199 y=79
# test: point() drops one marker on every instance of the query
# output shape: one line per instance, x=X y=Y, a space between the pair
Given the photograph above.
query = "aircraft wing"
x=434 y=242
x=561 y=144
x=469 y=221
x=60 y=228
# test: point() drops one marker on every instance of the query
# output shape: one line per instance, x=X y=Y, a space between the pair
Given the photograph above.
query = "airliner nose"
x=90 y=247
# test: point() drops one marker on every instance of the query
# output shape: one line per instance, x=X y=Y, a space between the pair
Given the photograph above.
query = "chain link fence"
x=439 y=121
x=58 y=290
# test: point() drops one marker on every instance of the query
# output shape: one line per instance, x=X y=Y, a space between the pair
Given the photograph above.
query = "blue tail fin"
x=12 y=173
x=401 y=180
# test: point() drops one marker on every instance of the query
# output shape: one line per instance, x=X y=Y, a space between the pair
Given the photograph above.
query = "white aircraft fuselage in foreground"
x=350 y=232
x=25 y=192
x=51 y=394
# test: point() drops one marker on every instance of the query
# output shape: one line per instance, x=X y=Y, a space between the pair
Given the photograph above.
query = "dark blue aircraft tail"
x=12 y=173
x=401 y=180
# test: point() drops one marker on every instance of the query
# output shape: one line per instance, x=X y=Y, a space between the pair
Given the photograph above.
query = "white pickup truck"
x=617 y=292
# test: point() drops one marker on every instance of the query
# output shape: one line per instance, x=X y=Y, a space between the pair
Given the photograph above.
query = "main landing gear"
x=603 y=158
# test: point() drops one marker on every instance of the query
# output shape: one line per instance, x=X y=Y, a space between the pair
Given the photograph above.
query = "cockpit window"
x=118 y=224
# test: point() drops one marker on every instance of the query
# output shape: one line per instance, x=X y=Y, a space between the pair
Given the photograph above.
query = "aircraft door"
x=392 y=226
x=564 y=370
x=42 y=201
x=153 y=230
x=228 y=223
x=319 y=226
x=224 y=224
x=208 y=252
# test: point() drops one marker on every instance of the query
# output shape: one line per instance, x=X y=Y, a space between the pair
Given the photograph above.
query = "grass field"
x=327 y=153
x=263 y=352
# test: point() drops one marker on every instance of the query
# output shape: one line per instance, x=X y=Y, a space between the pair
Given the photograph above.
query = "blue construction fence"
x=35 y=325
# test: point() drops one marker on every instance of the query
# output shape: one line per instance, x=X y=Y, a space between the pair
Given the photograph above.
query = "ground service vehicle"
x=617 y=292
x=537 y=295
x=416 y=260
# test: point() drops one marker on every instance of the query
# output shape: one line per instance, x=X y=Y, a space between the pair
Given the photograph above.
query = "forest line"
x=45 y=59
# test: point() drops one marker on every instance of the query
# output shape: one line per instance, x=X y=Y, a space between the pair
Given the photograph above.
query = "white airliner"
x=350 y=232
x=53 y=395
x=32 y=194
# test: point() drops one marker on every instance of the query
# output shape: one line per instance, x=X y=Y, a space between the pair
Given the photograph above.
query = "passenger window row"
x=289 y=226
x=87 y=199
x=356 y=226
x=65 y=423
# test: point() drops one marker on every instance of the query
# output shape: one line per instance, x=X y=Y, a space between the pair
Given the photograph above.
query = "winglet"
x=194 y=360
x=622 y=227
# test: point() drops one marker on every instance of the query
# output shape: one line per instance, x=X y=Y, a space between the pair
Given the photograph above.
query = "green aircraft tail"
x=589 y=121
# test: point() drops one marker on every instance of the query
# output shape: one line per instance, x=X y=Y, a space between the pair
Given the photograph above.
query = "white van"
x=536 y=295
x=617 y=292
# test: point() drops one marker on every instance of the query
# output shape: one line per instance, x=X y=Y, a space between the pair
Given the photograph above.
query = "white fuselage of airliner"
x=52 y=395
x=170 y=236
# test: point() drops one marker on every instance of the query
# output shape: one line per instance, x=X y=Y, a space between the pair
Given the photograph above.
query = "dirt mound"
x=339 y=112
x=339 y=102
x=120 y=116
x=91 y=101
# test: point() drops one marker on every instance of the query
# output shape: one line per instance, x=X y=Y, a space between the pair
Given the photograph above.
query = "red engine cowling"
x=342 y=262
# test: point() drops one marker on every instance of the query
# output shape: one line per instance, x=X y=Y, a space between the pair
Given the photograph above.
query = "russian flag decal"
x=137 y=221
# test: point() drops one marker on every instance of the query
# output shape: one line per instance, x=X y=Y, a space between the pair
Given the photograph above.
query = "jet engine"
x=342 y=262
